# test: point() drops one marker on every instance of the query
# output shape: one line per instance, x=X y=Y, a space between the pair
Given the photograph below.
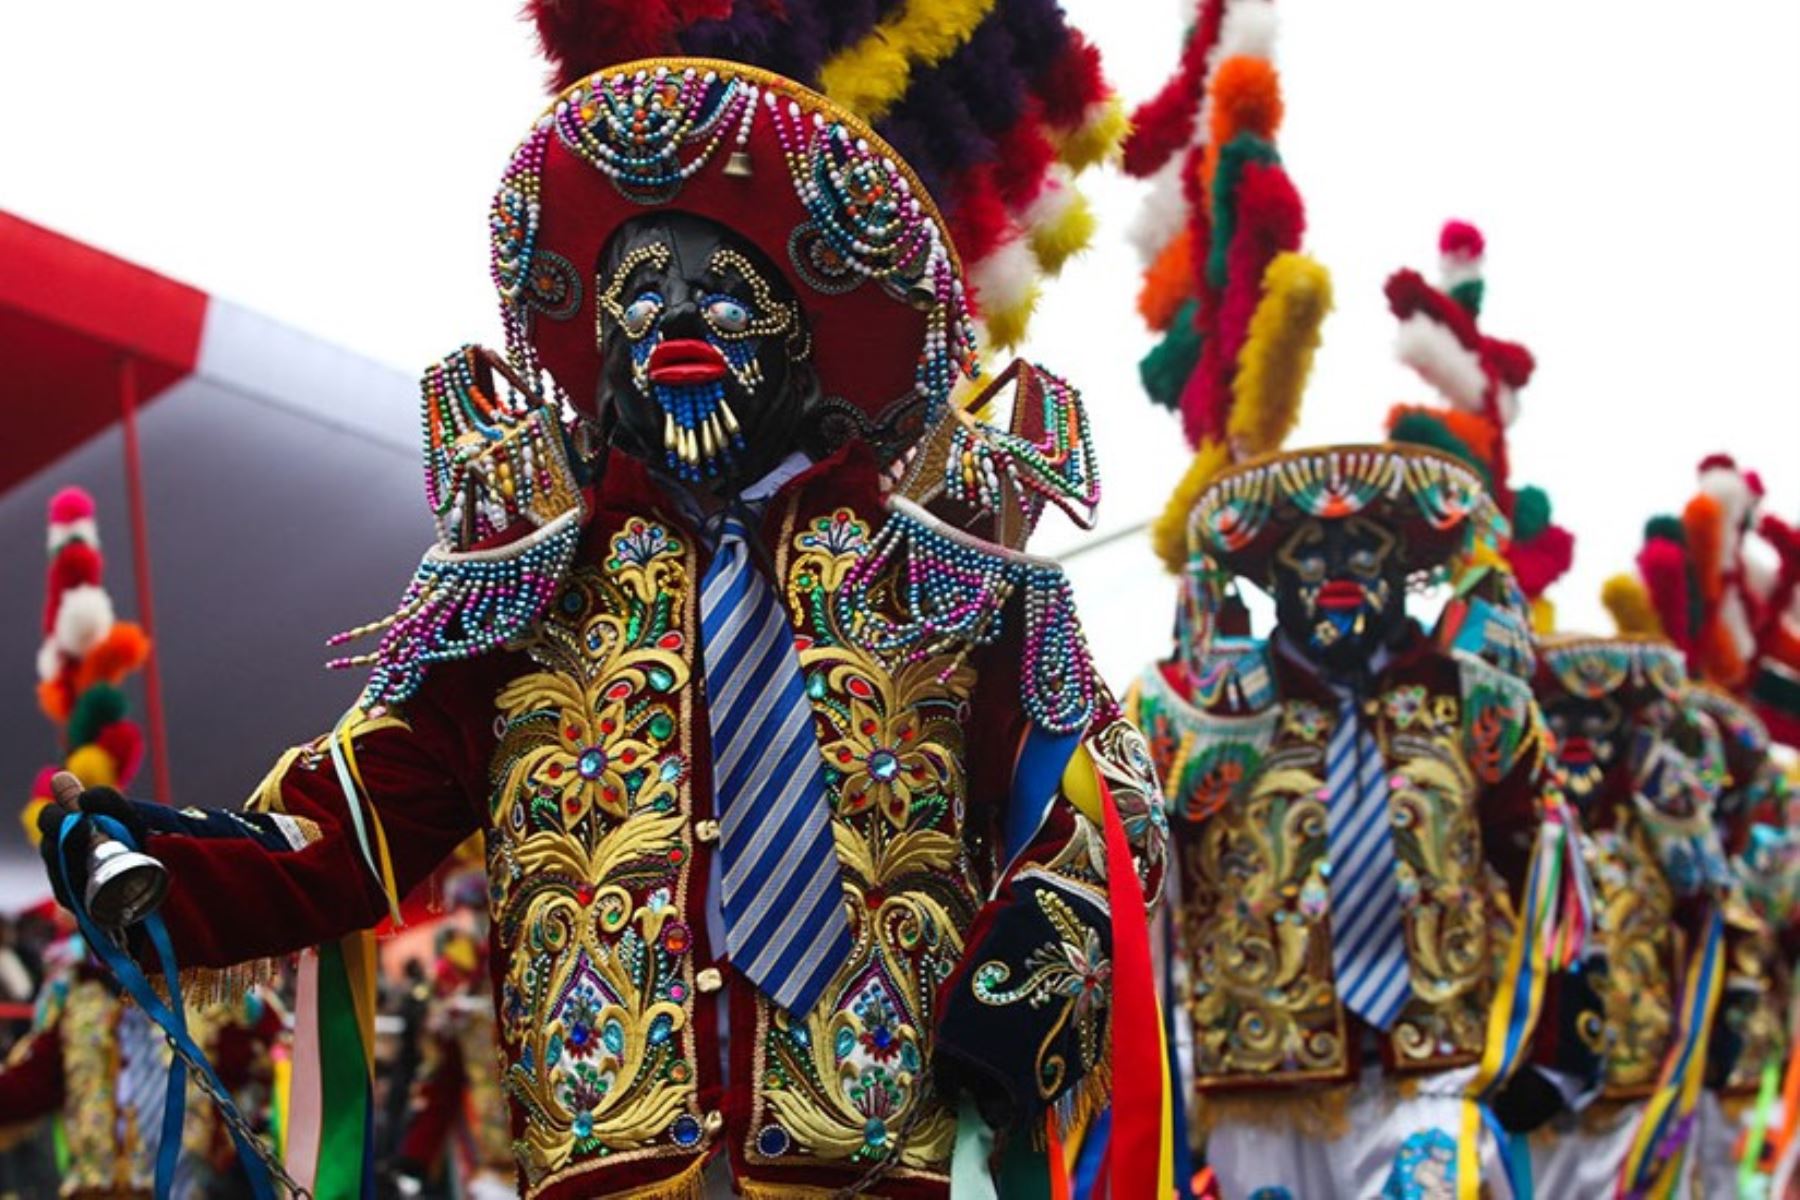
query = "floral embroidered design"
x=1635 y=917
x=1072 y=972
x=1425 y=1168
x=588 y=836
x=847 y=1080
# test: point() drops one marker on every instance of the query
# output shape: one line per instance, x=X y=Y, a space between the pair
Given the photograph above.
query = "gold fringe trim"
x=751 y=1190
x=689 y=1185
x=206 y=987
x=1317 y=1113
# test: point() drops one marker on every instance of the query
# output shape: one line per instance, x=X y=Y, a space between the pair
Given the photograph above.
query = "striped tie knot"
x=781 y=893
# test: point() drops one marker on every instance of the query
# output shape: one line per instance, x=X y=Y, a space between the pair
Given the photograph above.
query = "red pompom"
x=978 y=219
x=1509 y=360
x=41 y=785
x=75 y=565
x=580 y=37
x=1023 y=158
x=1663 y=567
x=1718 y=462
x=1543 y=560
x=1073 y=82
x=124 y=742
x=70 y=504
x=1460 y=239
x=1164 y=124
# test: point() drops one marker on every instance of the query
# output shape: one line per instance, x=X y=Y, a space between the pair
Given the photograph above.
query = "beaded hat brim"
x=1631 y=669
x=1435 y=502
x=848 y=223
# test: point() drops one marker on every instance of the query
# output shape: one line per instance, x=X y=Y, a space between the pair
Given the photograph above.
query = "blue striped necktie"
x=781 y=895
x=1368 y=942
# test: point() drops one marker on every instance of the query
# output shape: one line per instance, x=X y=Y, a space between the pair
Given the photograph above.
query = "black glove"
x=1527 y=1101
x=101 y=801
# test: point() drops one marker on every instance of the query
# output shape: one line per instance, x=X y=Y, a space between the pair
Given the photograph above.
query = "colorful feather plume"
x=86 y=654
x=997 y=104
x=1478 y=379
x=1238 y=305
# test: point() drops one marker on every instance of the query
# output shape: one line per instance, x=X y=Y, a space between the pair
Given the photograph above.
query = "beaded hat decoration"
x=996 y=104
x=850 y=225
x=1434 y=501
x=1633 y=670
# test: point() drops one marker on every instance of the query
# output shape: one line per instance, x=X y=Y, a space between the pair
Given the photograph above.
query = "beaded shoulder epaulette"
x=1208 y=744
x=501 y=481
x=954 y=542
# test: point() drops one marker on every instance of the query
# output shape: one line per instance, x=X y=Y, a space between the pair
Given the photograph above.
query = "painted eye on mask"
x=641 y=314
x=727 y=315
x=1366 y=563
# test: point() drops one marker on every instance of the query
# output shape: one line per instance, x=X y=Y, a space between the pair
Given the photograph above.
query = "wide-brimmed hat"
x=1632 y=669
x=847 y=222
x=1435 y=502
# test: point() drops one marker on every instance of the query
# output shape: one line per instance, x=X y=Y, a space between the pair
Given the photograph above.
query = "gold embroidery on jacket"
x=847 y=1081
x=1635 y=927
x=587 y=855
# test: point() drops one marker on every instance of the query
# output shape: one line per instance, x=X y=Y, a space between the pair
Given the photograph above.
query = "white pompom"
x=49 y=660
x=82 y=619
x=1446 y=364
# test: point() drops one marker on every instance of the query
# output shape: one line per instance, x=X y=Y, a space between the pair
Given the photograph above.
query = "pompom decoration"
x=86 y=655
x=1477 y=378
x=1626 y=598
x=961 y=88
x=1239 y=306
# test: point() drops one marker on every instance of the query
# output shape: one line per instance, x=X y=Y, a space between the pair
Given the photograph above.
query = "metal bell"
x=124 y=885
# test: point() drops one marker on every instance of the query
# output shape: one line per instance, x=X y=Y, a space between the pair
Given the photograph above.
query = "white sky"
x=1635 y=166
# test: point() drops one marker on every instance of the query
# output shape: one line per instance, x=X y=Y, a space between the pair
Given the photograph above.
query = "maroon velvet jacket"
x=583 y=754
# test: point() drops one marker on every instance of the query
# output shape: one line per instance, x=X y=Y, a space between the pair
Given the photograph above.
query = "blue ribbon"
x=171 y=1018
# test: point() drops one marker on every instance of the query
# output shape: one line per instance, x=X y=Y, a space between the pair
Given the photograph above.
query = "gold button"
x=707 y=831
x=715 y=1121
x=708 y=979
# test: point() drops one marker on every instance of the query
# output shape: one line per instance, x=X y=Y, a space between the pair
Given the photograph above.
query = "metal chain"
x=201 y=1075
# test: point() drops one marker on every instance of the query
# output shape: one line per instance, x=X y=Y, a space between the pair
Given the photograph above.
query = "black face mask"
x=705 y=353
x=1340 y=592
x=1590 y=739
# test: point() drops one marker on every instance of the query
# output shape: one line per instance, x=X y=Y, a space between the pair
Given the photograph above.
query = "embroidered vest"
x=1249 y=822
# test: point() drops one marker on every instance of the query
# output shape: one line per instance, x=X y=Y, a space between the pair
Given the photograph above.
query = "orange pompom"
x=55 y=699
x=1704 y=522
x=1168 y=282
x=122 y=651
x=1246 y=96
x=1471 y=429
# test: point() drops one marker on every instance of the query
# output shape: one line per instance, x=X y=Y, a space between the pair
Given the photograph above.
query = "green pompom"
x=1531 y=513
x=1423 y=429
x=1237 y=154
x=1165 y=370
x=94 y=710
x=1668 y=528
x=1469 y=294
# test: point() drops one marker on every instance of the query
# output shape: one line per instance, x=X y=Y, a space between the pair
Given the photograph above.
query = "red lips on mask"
x=1339 y=594
x=1577 y=751
x=686 y=360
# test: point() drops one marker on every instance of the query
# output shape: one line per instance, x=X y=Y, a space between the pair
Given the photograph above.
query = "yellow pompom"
x=1059 y=240
x=94 y=767
x=1278 y=353
x=1543 y=616
x=28 y=816
x=1626 y=598
x=869 y=76
x=1005 y=327
x=1168 y=534
x=1097 y=138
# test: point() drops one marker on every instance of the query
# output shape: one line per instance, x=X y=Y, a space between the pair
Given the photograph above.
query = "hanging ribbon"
x=1043 y=760
x=1141 y=1149
x=330 y=1149
x=171 y=1017
x=1659 y=1149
